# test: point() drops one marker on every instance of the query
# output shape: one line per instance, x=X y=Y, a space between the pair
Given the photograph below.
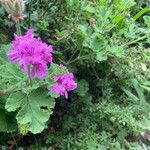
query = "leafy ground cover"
x=105 y=44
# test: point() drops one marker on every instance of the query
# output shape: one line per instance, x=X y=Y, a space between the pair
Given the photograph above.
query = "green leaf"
x=3 y=124
x=3 y=56
x=72 y=3
x=130 y=95
x=101 y=55
x=33 y=110
x=145 y=87
x=56 y=69
x=102 y=2
x=53 y=95
x=122 y=134
x=82 y=29
x=116 y=19
x=116 y=50
x=141 y=12
x=147 y=20
x=102 y=14
x=15 y=101
x=97 y=43
x=82 y=88
x=138 y=89
x=124 y=4
x=133 y=31
x=7 y=122
x=11 y=76
x=140 y=94
x=89 y=9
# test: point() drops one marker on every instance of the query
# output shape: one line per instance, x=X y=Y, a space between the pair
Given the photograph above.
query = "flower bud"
x=15 y=8
x=92 y=21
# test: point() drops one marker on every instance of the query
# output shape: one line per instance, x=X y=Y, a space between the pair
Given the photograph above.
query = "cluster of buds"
x=15 y=8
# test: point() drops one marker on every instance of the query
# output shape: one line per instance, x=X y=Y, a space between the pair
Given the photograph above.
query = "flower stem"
x=29 y=17
x=18 y=27
x=30 y=80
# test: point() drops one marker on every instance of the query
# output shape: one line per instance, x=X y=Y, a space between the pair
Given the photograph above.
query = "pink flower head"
x=65 y=84
x=31 y=52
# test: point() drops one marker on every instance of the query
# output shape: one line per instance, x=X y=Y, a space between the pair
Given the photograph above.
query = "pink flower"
x=65 y=84
x=31 y=52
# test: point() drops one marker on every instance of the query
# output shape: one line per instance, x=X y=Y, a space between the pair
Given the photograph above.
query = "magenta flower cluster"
x=65 y=83
x=32 y=54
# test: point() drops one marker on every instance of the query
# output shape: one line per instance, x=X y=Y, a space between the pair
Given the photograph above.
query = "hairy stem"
x=18 y=27
x=29 y=18
x=135 y=41
x=30 y=80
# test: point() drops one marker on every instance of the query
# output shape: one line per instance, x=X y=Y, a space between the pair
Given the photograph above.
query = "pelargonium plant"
x=32 y=98
x=33 y=57
x=32 y=54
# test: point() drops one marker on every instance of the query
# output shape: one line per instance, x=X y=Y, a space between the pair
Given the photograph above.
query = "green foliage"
x=11 y=77
x=7 y=122
x=106 y=44
x=82 y=89
x=109 y=53
x=32 y=104
x=3 y=51
x=34 y=109
x=122 y=5
x=141 y=12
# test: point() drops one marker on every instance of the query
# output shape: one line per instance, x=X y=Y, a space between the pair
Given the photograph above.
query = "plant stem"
x=29 y=20
x=135 y=41
x=73 y=61
x=18 y=27
x=46 y=9
x=77 y=58
x=96 y=74
x=30 y=80
x=15 y=142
